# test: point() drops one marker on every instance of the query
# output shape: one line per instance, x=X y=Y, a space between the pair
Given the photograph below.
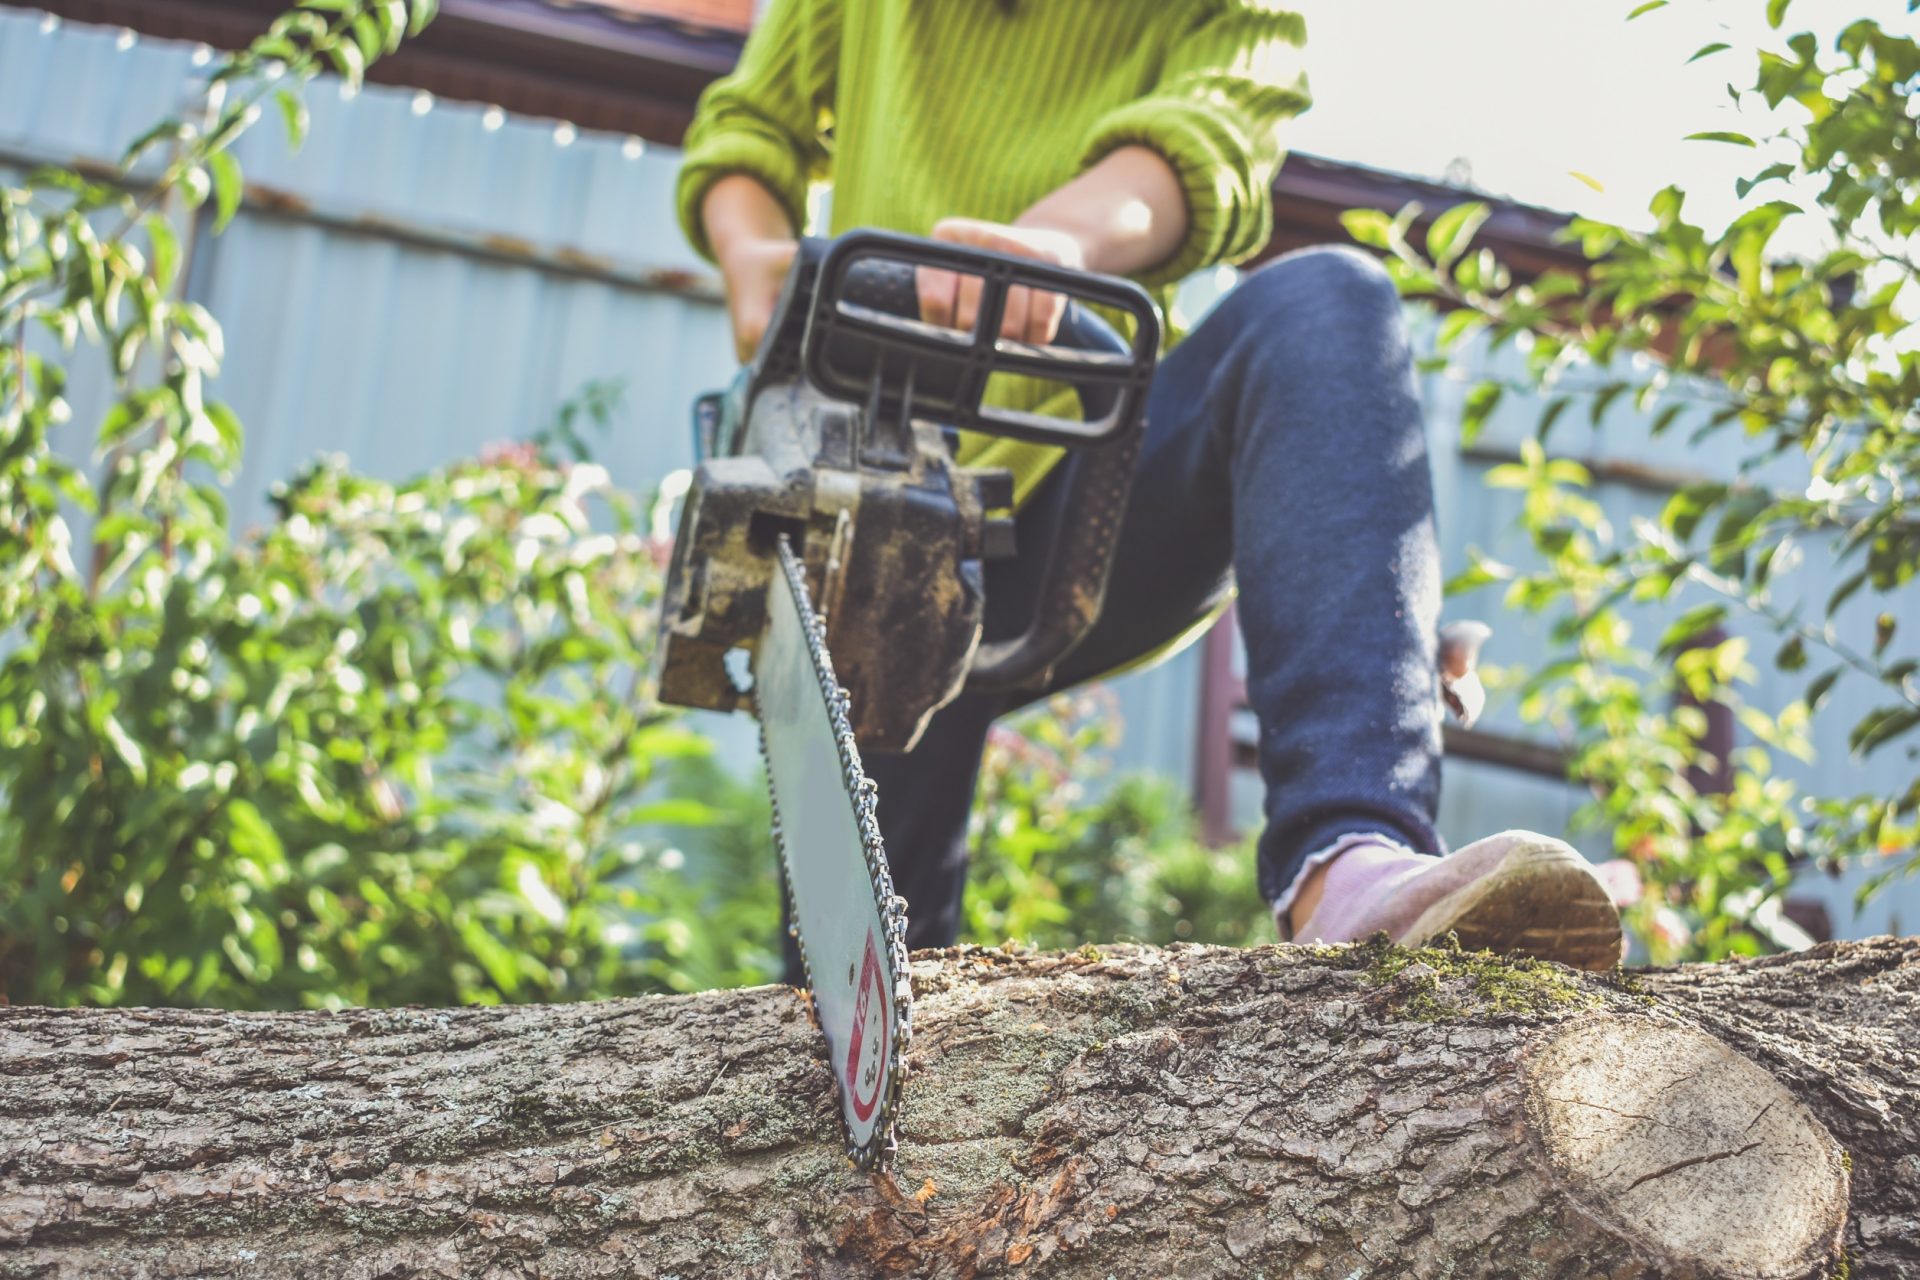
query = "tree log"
x=1282 y=1111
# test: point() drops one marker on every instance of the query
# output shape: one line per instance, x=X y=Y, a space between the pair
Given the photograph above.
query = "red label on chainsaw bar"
x=867 y=1048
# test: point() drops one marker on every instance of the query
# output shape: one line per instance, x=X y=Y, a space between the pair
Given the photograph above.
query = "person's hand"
x=952 y=300
x=1460 y=685
x=754 y=271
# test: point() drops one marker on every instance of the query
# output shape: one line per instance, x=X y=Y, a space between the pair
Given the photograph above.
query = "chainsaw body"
x=836 y=436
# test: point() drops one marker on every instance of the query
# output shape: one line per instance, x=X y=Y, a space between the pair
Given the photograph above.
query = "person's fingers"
x=966 y=231
x=965 y=290
x=754 y=275
x=1465 y=696
x=780 y=261
x=1013 y=320
x=750 y=320
x=746 y=338
x=967 y=310
x=1044 y=313
x=1460 y=646
x=1031 y=315
x=939 y=294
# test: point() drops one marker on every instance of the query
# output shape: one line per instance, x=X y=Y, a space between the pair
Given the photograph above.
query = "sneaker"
x=1514 y=892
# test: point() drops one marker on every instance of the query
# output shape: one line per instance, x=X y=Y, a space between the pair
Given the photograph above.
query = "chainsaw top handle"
x=865 y=341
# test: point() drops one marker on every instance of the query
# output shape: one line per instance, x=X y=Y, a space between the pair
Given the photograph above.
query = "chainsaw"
x=829 y=574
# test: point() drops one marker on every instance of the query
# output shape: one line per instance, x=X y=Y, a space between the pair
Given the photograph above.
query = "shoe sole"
x=1541 y=900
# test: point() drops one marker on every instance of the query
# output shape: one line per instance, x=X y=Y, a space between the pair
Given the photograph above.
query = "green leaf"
x=1690 y=626
x=1603 y=400
x=125 y=747
x=119 y=423
x=1776 y=12
x=227 y=188
x=1412 y=281
x=1706 y=50
x=1480 y=404
x=1881 y=726
x=366 y=33
x=165 y=131
x=227 y=423
x=1370 y=227
x=252 y=835
x=165 y=249
x=1782 y=554
x=1481 y=571
x=348 y=61
x=500 y=962
x=195 y=186
x=1821 y=686
x=1844 y=590
x=1457 y=323
x=1792 y=655
x=1648 y=7
x=1549 y=416
x=294 y=112
x=675 y=813
x=393 y=23
x=1772 y=173
x=1453 y=230
x=126 y=348
x=1743 y=513
x=1721 y=135
x=423 y=13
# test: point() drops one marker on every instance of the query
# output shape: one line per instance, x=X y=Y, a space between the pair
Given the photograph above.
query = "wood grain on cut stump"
x=1688 y=1148
x=1359 y=1113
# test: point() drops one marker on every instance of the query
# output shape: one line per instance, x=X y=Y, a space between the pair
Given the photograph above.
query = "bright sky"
x=1523 y=91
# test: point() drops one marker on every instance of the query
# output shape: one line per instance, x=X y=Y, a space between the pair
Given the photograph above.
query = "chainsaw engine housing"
x=836 y=436
x=808 y=467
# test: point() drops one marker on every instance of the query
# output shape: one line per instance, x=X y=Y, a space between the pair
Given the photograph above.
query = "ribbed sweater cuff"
x=772 y=163
x=1222 y=224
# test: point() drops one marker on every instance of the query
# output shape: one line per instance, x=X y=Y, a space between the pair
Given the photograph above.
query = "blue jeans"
x=1285 y=449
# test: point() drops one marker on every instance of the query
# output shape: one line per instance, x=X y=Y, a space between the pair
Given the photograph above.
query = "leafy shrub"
x=399 y=746
x=396 y=748
x=1801 y=369
x=1055 y=866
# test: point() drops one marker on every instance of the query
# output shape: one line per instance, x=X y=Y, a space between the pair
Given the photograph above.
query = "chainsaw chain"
x=879 y=1150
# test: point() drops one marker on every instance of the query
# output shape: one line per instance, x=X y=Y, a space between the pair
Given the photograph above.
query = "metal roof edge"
x=624 y=73
x=630 y=72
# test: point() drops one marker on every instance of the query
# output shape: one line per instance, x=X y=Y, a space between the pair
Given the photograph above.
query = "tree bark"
x=1282 y=1111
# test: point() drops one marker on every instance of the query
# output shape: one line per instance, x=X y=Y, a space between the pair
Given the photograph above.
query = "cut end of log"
x=1690 y=1149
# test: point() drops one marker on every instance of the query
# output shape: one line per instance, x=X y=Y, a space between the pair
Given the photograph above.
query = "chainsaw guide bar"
x=840 y=892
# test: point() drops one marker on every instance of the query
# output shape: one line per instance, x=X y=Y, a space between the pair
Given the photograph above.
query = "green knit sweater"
x=920 y=109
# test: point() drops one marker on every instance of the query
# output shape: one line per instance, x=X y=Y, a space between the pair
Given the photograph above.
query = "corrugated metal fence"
x=428 y=277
